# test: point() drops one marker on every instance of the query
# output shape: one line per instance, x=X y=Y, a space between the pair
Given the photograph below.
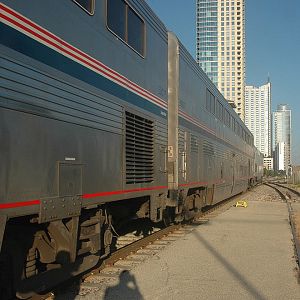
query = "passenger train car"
x=104 y=118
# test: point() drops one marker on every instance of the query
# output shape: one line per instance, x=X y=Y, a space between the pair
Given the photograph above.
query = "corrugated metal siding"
x=31 y=91
x=161 y=133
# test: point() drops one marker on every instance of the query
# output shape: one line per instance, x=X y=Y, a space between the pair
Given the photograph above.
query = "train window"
x=123 y=21
x=236 y=127
x=232 y=122
x=222 y=113
x=207 y=100
x=116 y=17
x=210 y=102
x=218 y=110
x=135 y=31
x=227 y=118
x=87 y=5
x=239 y=130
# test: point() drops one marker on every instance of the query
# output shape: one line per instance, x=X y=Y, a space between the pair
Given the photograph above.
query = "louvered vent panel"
x=208 y=148
x=181 y=140
x=194 y=144
x=139 y=149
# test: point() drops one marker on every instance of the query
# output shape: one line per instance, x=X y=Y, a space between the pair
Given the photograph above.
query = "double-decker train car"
x=104 y=118
x=215 y=151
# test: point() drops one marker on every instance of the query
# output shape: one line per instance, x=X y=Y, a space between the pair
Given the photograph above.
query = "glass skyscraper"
x=220 y=47
x=207 y=38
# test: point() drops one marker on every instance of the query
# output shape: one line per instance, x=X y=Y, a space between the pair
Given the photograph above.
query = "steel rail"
x=291 y=218
x=288 y=188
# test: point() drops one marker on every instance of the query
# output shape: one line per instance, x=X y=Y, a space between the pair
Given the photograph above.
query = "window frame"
x=142 y=55
x=210 y=102
x=93 y=5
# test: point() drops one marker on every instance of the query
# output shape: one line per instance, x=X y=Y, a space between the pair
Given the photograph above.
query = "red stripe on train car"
x=19 y=204
x=101 y=194
x=85 y=196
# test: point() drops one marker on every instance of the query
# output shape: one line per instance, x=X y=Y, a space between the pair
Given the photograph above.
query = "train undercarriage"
x=42 y=255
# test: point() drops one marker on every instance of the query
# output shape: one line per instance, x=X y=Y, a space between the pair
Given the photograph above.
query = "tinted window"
x=221 y=113
x=219 y=110
x=207 y=100
x=126 y=24
x=88 y=5
x=135 y=31
x=227 y=118
x=116 y=17
x=210 y=102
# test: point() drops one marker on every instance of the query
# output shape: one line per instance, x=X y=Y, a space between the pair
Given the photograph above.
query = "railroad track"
x=294 y=192
x=291 y=197
x=127 y=256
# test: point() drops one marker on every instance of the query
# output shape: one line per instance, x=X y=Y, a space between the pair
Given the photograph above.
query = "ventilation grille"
x=181 y=140
x=194 y=144
x=208 y=149
x=139 y=149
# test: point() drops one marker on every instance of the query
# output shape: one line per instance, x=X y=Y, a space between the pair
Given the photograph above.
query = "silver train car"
x=104 y=118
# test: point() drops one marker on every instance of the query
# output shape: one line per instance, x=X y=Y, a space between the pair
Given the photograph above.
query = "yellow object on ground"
x=241 y=203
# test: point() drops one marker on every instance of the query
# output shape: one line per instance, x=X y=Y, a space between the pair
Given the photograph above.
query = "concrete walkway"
x=244 y=253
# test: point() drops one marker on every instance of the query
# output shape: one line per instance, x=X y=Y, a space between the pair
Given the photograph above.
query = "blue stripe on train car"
x=29 y=47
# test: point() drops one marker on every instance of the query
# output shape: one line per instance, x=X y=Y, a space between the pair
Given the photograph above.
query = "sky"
x=272 y=47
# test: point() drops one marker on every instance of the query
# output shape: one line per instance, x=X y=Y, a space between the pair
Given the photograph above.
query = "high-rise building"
x=258 y=116
x=220 y=46
x=282 y=137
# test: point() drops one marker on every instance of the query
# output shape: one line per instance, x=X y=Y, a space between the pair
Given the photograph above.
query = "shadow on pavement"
x=126 y=289
x=242 y=280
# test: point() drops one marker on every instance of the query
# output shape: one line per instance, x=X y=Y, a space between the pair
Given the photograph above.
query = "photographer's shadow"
x=126 y=288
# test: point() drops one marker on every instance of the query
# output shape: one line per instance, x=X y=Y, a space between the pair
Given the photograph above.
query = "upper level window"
x=116 y=17
x=210 y=102
x=87 y=5
x=126 y=24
